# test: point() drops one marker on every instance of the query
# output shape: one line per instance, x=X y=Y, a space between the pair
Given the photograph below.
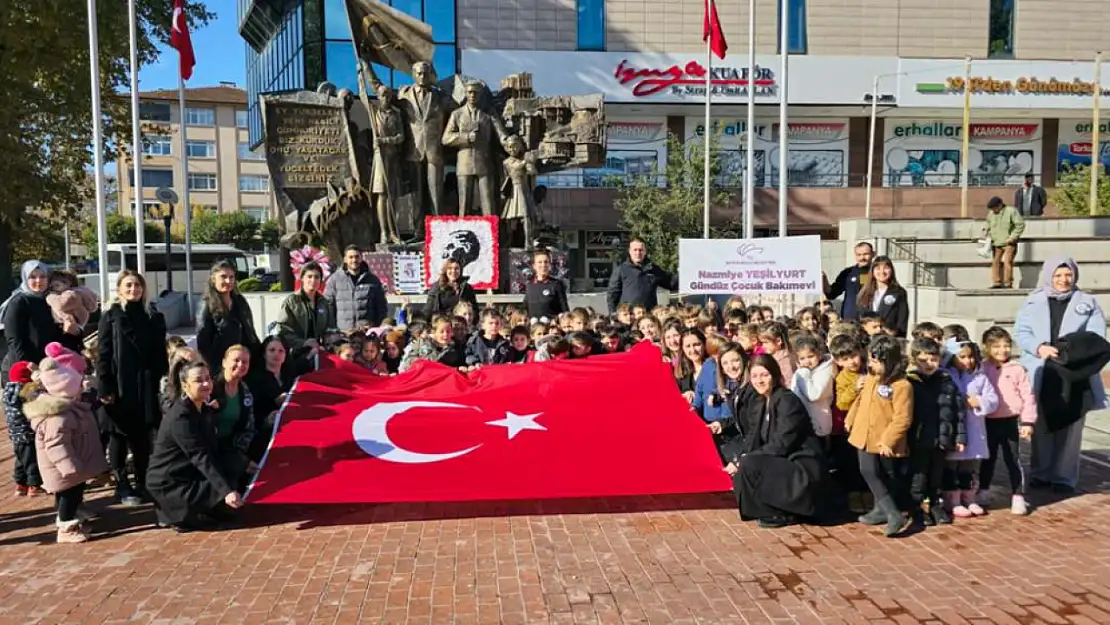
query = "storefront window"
x=796 y=33
x=591 y=24
x=1001 y=30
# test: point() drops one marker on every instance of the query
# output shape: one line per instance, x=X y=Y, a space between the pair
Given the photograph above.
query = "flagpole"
x=871 y=143
x=749 y=168
x=708 y=99
x=98 y=155
x=1096 y=149
x=136 y=143
x=784 y=141
x=965 y=147
x=185 y=200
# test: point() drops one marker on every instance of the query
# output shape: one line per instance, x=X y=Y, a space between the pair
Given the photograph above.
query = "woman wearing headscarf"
x=1055 y=310
x=28 y=323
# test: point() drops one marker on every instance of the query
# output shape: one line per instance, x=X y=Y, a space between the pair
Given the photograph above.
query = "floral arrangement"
x=300 y=258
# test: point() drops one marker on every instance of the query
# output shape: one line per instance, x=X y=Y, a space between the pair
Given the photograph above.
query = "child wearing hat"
x=67 y=440
x=20 y=386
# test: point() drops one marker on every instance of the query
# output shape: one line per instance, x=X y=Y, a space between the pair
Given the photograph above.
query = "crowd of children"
x=912 y=428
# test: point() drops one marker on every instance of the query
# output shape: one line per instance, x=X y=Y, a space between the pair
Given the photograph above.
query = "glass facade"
x=313 y=44
x=1001 y=30
x=591 y=24
x=798 y=39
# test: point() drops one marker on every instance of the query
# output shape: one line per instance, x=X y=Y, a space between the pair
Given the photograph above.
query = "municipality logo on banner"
x=749 y=266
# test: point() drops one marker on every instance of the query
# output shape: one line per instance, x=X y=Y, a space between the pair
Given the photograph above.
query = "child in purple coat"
x=981 y=399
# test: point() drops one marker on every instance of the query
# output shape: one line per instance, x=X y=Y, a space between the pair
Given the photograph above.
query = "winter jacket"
x=67 y=441
x=974 y=383
x=637 y=284
x=72 y=308
x=301 y=319
x=1070 y=384
x=815 y=388
x=1015 y=393
x=883 y=414
x=848 y=283
x=356 y=298
x=443 y=299
x=29 y=326
x=786 y=364
x=846 y=394
x=705 y=386
x=19 y=428
x=216 y=333
x=427 y=349
x=893 y=309
x=1005 y=226
x=546 y=299
x=242 y=433
x=129 y=366
x=482 y=351
x=938 y=416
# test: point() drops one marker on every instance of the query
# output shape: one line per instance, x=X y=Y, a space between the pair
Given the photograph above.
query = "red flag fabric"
x=179 y=40
x=604 y=426
x=711 y=30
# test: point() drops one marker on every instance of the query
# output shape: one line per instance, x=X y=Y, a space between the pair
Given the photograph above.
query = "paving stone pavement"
x=665 y=560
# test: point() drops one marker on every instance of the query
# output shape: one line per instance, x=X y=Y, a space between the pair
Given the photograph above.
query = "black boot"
x=895 y=520
x=875 y=517
x=125 y=494
x=937 y=511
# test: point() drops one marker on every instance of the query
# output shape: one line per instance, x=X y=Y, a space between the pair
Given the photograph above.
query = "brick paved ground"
x=674 y=560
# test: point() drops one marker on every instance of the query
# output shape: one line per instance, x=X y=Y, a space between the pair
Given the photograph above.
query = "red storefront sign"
x=648 y=81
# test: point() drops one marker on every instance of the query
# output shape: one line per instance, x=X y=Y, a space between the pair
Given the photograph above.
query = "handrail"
x=905 y=249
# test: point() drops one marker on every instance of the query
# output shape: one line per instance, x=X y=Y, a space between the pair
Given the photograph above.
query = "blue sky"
x=219 y=52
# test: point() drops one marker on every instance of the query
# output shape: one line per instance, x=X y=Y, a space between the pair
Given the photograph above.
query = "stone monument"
x=356 y=169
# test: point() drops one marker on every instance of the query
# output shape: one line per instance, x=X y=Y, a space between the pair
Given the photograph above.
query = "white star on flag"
x=516 y=423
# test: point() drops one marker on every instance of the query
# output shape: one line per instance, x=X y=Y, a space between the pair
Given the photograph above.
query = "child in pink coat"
x=1011 y=421
x=67 y=440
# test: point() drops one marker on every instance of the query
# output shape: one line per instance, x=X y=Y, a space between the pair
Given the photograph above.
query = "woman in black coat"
x=544 y=297
x=883 y=296
x=776 y=460
x=28 y=323
x=130 y=365
x=184 y=479
x=224 y=318
x=236 y=419
x=450 y=289
x=270 y=380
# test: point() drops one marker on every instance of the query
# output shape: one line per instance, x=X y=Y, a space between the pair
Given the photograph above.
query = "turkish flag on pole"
x=605 y=426
x=179 y=40
x=711 y=30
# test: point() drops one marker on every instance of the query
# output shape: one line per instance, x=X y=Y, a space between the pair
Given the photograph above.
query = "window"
x=247 y=154
x=591 y=24
x=153 y=178
x=157 y=145
x=242 y=120
x=443 y=59
x=202 y=182
x=342 y=67
x=254 y=183
x=257 y=213
x=1001 y=30
x=796 y=29
x=200 y=117
x=150 y=209
x=440 y=16
x=200 y=149
x=154 y=111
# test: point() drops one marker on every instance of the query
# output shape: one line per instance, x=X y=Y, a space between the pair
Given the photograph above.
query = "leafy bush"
x=251 y=285
x=275 y=287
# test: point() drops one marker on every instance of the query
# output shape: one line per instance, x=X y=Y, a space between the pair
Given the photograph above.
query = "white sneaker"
x=1018 y=505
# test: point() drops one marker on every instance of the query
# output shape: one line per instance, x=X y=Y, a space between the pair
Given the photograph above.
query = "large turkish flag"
x=604 y=426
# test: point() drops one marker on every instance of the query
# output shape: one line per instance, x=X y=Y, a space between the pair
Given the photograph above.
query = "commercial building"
x=1032 y=84
x=225 y=175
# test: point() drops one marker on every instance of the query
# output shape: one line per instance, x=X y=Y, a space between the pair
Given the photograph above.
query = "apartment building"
x=224 y=175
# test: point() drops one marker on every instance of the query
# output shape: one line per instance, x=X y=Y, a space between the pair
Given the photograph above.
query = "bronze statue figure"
x=389 y=139
x=520 y=185
x=471 y=130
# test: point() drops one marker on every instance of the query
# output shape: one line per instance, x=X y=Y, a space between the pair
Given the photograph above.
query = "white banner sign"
x=750 y=266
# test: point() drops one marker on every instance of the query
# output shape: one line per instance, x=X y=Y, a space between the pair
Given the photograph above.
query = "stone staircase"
x=936 y=261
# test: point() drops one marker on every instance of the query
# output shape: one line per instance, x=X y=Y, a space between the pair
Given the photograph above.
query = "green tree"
x=45 y=124
x=1072 y=194
x=668 y=204
x=120 y=230
x=39 y=237
x=236 y=228
x=270 y=233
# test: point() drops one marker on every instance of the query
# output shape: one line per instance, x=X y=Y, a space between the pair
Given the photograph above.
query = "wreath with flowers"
x=308 y=254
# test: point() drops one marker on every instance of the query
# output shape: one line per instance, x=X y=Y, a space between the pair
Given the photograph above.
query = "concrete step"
x=981 y=303
x=1059 y=227
x=1027 y=276
x=1028 y=251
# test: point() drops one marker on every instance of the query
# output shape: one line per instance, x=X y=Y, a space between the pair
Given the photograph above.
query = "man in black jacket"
x=850 y=279
x=1031 y=198
x=356 y=293
x=636 y=280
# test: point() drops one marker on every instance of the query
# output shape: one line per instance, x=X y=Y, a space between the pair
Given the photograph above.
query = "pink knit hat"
x=60 y=380
x=66 y=357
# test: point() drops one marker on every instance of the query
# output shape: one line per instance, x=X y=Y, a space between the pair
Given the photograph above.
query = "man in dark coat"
x=849 y=281
x=1031 y=198
x=636 y=280
x=356 y=293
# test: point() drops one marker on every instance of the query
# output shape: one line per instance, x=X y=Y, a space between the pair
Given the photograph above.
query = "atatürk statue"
x=471 y=130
